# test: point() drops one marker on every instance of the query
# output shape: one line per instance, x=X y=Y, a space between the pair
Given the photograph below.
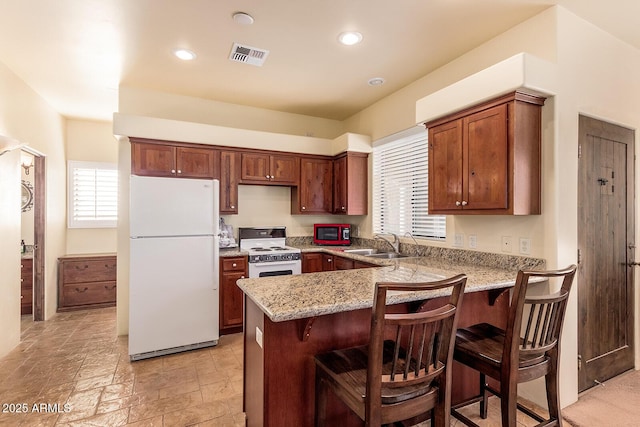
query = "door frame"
x=39 y=226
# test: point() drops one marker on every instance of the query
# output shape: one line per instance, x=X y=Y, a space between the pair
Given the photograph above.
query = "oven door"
x=278 y=268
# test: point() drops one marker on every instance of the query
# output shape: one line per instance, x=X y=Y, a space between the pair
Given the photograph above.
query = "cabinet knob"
x=303 y=208
x=242 y=277
x=233 y=207
x=272 y=176
x=464 y=203
x=344 y=209
x=179 y=171
x=234 y=265
x=457 y=203
x=266 y=176
x=173 y=171
x=329 y=260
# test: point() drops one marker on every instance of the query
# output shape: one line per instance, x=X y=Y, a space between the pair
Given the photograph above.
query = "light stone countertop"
x=284 y=298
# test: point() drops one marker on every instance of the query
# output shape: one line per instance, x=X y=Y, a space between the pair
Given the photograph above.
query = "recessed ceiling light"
x=184 y=54
x=349 y=38
x=242 y=18
x=376 y=81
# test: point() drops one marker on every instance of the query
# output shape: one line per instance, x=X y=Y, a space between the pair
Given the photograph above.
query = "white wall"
x=25 y=117
x=91 y=141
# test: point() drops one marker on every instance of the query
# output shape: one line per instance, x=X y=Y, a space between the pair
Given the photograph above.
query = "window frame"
x=72 y=220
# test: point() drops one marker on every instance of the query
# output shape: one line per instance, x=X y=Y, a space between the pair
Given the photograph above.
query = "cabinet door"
x=284 y=169
x=153 y=159
x=311 y=262
x=340 y=185
x=231 y=297
x=340 y=263
x=26 y=286
x=486 y=184
x=196 y=162
x=445 y=167
x=327 y=262
x=255 y=167
x=350 y=184
x=229 y=178
x=315 y=189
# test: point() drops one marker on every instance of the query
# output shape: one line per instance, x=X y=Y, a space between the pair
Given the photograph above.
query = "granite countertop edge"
x=284 y=298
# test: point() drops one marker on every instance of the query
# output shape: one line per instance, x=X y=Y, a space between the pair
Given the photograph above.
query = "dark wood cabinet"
x=314 y=262
x=486 y=159
x=350 y=184
x=229 y=179
x=26 y=286
x=232 y=269
x=311 y=262
x=314 y=194
x=86 y=281
x=268 y=168
x=165 y=160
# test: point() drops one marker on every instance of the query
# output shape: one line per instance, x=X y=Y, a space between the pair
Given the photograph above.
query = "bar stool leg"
x=484 y=393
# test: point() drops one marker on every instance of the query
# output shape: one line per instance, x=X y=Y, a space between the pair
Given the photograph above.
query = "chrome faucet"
x=395 y=244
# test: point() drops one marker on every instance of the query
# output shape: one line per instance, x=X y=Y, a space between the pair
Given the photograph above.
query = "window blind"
x=401 y=189
x=93 y=195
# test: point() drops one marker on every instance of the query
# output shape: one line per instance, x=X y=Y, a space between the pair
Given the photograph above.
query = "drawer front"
x=234 y=264
x=89 y=271
x=89 y=293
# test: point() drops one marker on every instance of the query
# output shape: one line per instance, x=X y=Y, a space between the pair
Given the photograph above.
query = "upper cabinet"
x=168 y=160
x=486 y=159
x=350 y=184
x=267 y=168
x=314 y=195
x=229 y=179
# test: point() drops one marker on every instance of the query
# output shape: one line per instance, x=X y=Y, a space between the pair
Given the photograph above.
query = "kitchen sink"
x=361 y=251
x=387 y=255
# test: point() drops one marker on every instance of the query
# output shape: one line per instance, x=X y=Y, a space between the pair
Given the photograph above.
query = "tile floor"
x=73 y=370
x=76 y=359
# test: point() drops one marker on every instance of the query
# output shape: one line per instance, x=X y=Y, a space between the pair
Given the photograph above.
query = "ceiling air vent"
x=248 y=54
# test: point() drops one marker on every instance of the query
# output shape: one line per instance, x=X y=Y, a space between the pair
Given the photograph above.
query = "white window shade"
x=93 y=195
x=401 y=190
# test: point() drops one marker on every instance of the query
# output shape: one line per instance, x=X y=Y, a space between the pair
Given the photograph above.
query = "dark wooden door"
x=153 y=159
x=316 y=186
x=606 y=250
x=229 y=178
x=485 y=169
x=445 y=166
x=255 y=167
x=284 y=169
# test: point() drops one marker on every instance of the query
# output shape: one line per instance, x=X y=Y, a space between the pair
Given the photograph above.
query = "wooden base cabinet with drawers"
x=26 y=286
x=232 y=269
x=86 y=281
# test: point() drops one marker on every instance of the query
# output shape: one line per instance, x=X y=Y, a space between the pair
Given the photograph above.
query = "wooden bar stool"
x=405 y=370
x=528 y=349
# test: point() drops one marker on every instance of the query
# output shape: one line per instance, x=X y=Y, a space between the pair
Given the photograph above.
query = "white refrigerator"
x=173 y=271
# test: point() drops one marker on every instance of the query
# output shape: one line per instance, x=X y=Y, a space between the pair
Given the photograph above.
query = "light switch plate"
x=458 y=240
x=473 y=241
x=259 y=336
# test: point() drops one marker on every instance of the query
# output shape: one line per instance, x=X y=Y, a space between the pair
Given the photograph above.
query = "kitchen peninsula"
x=289 y=319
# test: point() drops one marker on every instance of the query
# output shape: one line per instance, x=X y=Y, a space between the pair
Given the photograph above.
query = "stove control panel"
x=274 y=257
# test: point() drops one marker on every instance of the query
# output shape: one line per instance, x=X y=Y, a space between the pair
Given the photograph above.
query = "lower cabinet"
x=26 y=286
x=232 y=269
x=86 y=281
x=314 y=262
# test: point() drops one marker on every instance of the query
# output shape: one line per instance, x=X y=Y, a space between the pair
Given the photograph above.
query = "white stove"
x=268 y=253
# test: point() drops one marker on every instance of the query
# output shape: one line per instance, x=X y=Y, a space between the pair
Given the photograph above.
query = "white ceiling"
x=76 y=53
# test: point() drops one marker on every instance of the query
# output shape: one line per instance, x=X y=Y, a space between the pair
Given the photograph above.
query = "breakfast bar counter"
x=290 y=319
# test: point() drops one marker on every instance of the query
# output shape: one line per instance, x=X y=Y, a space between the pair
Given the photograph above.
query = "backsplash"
x=458 y=256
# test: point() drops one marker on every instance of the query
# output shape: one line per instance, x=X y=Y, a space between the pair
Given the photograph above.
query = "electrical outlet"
x=473 y=241
x=458 y=240
x=525 y=245
x=356 y=231
x=259 y=336
x=506 y=244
